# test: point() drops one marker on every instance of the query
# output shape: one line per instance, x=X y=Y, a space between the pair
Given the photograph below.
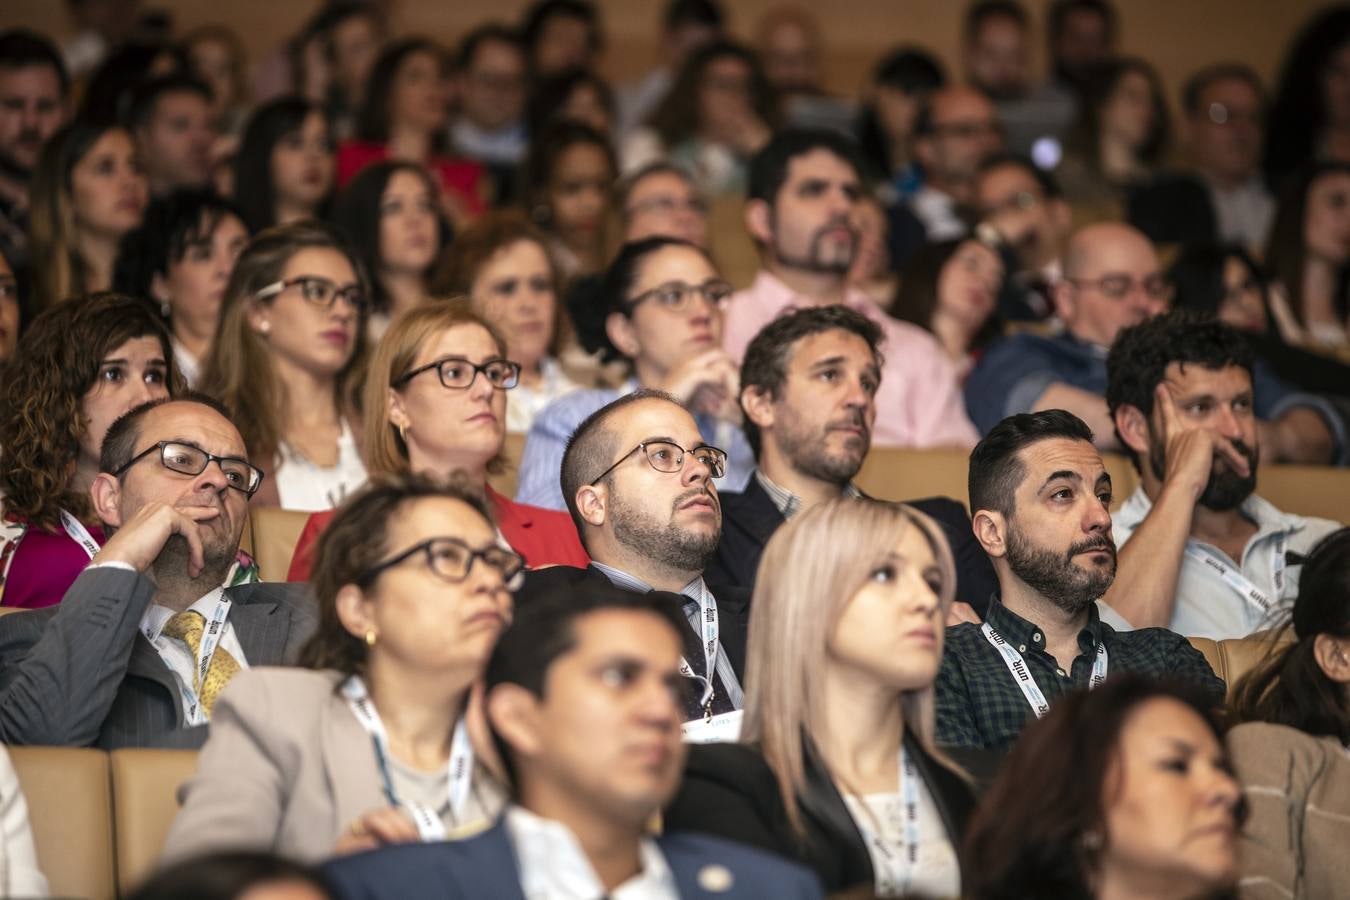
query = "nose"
x=211 y=478
x=1228 y=423
x=483 y=578
x=693 y=471
x=480 y=388
x=1098 y=517
x=657 y=707
x=1222 y=788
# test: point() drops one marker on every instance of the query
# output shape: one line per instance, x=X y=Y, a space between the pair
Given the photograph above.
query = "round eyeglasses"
x=458 y=373
x=186 y=459
x=668 y=457
x=450 y=559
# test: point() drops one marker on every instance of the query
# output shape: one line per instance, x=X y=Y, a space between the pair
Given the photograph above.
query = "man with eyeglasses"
x=957 y=130
x=147 y=636
x=640 y=485
x=1113 y=280
x=804 y=187
x=491 y=81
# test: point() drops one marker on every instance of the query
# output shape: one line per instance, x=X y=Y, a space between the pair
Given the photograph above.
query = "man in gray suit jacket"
x=146 y=636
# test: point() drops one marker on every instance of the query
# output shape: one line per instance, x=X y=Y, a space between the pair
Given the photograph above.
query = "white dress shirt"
x=175 y=653
x=554 y=867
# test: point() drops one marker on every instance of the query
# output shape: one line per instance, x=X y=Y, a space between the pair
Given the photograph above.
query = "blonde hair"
x=410 y=331
x=811 y=569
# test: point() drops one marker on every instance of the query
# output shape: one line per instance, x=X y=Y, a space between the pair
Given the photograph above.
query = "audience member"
x=663 y=314
x=1041 y=501
x=217 y=58
x=717 y=115
x=957 y=130
x=888 y=119
x=108 y=92
x=809 y=387
x=490 y=85
x=503 y=266
x=447 y=423
x=803 y=188
x=791 y=44
x=1118 y=141
x=11 y=317
x=1029 y=221
x=138 y=650
x=661 y=200
x=98 y=29
x=34 y=89
x=87 y=361
x=392 y=215
x=406 y=116
x=638 y=479
x=170 y=117
x=181 y=257
x=288 y=359
x=567 y=180
x=1124 y=791
x=836 y=767
x=333 y=56
x=88 y=191
x=1112 y=280
x=1289 y=755
x=951 y=289
x=576 y=95
x=686 y=25
x=372 y=741
x=560 y=35
x=1309 y=257
x=996 y=44
x=285 y=167
x=871 y=271
x=1180 y=394
x=1080 y=36
x=19 y=872
x=1310 y=115
x=582 y=700
x=234 y=875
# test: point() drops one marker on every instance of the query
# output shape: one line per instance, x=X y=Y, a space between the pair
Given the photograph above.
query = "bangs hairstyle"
x=811 y=569
x=239 y=371
x=383 y=450
x=357 y=540
x=41 y=415
x=172 y=226
x=269 y=125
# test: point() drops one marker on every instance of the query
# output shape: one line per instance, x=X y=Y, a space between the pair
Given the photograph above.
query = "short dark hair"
x=982 y=11
x=769 y=167
x=22 y=48
x=1047 y=182
x=766 y=359
x=355 y=541
x=1060 y=10
x=692 y=12
x=172 y=224
x=119 y=444
x=1137 y=361
x=146 y=95
x=537 y=15
x=226 y=875
x=493 y=32
x=996 y=468
x=591 y=448
x=1224 y=71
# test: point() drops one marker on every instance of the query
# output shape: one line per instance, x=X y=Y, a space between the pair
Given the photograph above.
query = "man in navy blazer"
x=584 y=702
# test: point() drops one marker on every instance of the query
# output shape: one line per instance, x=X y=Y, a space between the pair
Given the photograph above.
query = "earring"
x=370 y=638
x=402 y=434
x=1090 y=841
x=164 y=309
x=264 y=326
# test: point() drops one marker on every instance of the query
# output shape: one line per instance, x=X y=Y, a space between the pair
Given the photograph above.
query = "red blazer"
x=464 y=178
x=544 y=537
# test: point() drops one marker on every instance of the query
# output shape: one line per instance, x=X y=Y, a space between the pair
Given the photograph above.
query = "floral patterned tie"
x=188 y=626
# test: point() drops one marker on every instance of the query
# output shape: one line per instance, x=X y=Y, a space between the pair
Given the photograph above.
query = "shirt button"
x=1021 y=648
x=1036 y=638
x=1062 y=673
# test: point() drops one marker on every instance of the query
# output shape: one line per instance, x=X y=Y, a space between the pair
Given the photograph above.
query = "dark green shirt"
x=980 y=704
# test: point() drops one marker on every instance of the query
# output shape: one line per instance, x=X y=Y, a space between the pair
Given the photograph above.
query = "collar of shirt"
x=1027 y=636
x=693 y=590
x=554 y=867
x=788 y=503
x=772 y=292
x=1269 y=520
x=156 y=616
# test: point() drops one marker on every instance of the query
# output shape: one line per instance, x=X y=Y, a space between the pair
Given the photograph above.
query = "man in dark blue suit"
x=584 y=701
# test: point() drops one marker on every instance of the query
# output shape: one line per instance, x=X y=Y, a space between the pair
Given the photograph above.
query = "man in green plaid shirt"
x=1041 y=501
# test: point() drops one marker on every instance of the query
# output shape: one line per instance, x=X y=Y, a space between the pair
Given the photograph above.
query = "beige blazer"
x=287 y=768
x=1298 y=828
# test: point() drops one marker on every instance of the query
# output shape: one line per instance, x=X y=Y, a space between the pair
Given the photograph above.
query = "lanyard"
x=79 y=534
x=1022 y=675
x=1239 y=582
x=460 y=767
x=707 y=617
x=212 y=632
x=895 y=875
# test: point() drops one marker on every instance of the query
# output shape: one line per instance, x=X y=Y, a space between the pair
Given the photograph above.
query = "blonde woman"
x=836 y=766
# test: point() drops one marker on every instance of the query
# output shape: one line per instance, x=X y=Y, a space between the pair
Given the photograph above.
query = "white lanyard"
x=79 y=534
x=707 y=617
x=1022 y=675
x=896 y=875
x=212 y=632
x=1240 y=582
x=460 y=766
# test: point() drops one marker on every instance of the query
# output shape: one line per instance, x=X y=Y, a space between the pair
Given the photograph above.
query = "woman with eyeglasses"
x=374 y=739
x=435 y=403
x=288 y=359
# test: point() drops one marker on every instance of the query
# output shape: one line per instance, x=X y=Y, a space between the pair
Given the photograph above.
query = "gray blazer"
x=82 y=674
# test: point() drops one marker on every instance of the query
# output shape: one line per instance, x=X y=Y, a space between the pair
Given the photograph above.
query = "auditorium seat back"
x=70 y=810
x=275 y=533
x=145 y=800
x=504 y=482
x=1231 y=659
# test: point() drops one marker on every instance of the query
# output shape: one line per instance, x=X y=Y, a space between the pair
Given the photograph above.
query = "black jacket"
x=750 y=518
x=730 y=791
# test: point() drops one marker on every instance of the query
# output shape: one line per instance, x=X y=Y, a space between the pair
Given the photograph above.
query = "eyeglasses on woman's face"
x=459 y=374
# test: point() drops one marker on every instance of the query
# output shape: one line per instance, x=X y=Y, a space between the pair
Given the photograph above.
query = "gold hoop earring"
x=370 y=638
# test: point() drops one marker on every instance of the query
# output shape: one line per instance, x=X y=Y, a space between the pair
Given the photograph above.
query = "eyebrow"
x=1065 y=474
x=666 y=438
x=119 y=361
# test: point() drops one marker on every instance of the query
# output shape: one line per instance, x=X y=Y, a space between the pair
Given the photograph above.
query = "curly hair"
x=41 y=419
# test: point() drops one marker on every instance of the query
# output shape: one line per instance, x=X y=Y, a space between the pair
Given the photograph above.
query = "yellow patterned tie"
x=188 y=627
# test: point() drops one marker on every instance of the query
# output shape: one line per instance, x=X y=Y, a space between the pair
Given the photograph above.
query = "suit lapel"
x=260 y=625
x=145 y=662
x=757 y=514
x=823 y=802
x=496 y=870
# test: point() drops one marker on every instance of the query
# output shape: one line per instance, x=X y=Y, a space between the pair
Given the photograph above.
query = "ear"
x=354 y=611
x=1133 y=428
x=1333 y=657
x=1065 y=302
x=398 y=416
x=991 y=530
x=106 y=494
x=158 y=291
x=513 y=713
x=593 y=504
x=257 y=318
x=622 y=334
x=759 y=221
x=758 y=406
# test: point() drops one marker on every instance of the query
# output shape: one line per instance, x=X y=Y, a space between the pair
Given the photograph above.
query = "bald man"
x=957 y=130
x=1113 y=280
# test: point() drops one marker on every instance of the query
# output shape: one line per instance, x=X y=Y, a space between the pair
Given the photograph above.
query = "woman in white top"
x=19 y=873
x=375 y=739
x=836 y=766
x=502 y=264
x=289 y=356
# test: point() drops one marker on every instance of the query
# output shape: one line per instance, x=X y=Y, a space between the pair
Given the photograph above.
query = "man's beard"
x=815 y=259
x=804 y=448
x=666 y=544
x=171 y=566
x=1057 y=577
x=1225 y=489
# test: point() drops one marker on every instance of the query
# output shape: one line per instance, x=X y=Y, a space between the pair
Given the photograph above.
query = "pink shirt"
x=919 y=403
